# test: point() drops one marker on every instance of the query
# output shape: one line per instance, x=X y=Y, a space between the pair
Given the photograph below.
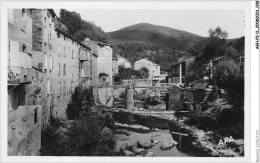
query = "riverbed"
x=157 y=136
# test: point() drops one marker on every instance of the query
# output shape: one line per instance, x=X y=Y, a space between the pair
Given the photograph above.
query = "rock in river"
x=138 y=151
x=168 y=144
x=150 y=154
x=128 y=153
x=146 y=145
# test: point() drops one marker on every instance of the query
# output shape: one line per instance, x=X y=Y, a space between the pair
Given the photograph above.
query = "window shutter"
x=45 y=35
x=48 y=87
x=58 y=68
x=59 y=89
x=45 y=61
x=51 y=63
x=64 y=89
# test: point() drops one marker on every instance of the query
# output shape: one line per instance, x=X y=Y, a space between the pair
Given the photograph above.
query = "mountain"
x=154 y=34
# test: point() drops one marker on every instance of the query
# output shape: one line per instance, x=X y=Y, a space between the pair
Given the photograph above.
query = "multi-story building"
x=154 y=69
x=70 y=67
x=177 y=72
x=123 y=62
x=102 y=52
x=43 y=48
x=61 y=61
x=24 y=115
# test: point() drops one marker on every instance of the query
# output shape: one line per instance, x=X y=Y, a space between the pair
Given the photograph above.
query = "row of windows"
x=62 y=90
x=73 y=53
x=64 y=69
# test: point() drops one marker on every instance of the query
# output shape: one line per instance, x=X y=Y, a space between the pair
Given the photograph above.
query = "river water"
x=158 y=136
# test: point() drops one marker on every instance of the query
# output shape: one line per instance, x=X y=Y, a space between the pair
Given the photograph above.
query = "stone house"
x=123 y=62
x=102 y=52
x=154 y=69
x=24 y=113
x=70 y=68
x=43 y=47
x=61 y=62
x=177 y=72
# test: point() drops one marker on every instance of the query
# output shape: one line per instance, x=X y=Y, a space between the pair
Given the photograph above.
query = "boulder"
x=148 y=144
x=153 y=142
x=128 y=153
x=138 y=151
x=124 y=145
x=120 y=145
x=168 y=144
x=106 y=134
x=150 y=154
x=144 y=145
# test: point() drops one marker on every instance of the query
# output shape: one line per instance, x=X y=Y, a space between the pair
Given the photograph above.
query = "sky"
x=193 y=21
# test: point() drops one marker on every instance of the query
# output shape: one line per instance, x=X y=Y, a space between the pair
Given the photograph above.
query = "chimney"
x=86 y=39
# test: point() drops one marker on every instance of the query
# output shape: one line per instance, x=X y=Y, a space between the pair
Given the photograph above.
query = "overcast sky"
x=194 y=21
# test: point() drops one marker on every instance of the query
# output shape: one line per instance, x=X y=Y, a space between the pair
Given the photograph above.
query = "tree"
x=229 y=77
x=81 y=29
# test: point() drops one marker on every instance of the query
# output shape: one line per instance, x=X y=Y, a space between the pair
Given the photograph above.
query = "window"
x=11 y=15
x=64 y=69
x=48 y=87
x=64 y=51
x=59 y=68
x=45 y=61
x=23 y=12
x=64 y=89
x=51 y=63
x=49 y=39
x=35 y=116
x=59 y=89
x=45 y=35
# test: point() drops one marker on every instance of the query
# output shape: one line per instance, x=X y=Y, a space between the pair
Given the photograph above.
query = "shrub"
x=203 y=121
x=228 y=76
x=81 y=101
x=54 y=144
x=84 y=135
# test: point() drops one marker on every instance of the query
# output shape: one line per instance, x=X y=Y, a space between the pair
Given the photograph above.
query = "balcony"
x=19 y=75
x=84 y=56
x=85 y=74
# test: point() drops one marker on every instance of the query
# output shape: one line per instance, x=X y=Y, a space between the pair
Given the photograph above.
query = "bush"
x=203 y=121
x=228 y=76
x=81 y=139
x=81 y=101
x=54 y=144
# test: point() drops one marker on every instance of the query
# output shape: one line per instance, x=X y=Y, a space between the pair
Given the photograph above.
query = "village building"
x=42 y=45
x=24 y=113
x=123 y=62
x=154 y=69
x=177 y=72
x=101 y=61
x=71 y=62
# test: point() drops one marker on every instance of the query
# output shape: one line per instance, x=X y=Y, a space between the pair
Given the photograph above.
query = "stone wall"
x=178 y=96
